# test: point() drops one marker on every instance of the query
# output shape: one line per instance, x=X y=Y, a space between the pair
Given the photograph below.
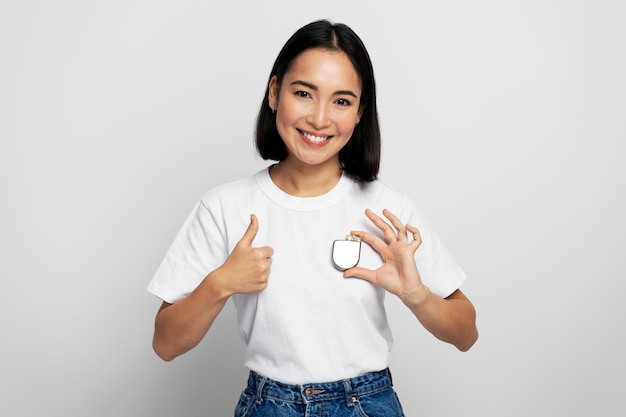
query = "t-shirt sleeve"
x=438 y=269
x=197 y=249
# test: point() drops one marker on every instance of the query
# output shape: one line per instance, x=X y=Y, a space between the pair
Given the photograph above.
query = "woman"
x=315 y=326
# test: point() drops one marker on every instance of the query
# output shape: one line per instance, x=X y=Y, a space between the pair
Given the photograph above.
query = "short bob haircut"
x=360 y=157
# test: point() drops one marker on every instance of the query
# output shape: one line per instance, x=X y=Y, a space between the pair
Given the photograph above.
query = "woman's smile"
x=315 y=140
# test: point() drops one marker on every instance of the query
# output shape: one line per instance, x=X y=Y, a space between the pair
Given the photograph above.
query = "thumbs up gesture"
x=247 y=268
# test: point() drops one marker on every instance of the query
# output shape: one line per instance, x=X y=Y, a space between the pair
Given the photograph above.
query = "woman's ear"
x=273 y=93
x=360 y=112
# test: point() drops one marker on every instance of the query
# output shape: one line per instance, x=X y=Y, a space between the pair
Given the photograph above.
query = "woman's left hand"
x=398 y=274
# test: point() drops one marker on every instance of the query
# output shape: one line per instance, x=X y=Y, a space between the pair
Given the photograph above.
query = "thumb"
x=250 y=234
x=359 y=272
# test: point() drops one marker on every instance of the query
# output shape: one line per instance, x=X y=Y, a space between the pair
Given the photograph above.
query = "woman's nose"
x=319 y=116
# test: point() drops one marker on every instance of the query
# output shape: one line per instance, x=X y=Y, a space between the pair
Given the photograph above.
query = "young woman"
x=309 y=298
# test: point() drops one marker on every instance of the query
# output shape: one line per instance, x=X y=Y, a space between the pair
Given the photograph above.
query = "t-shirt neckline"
x=291 y=202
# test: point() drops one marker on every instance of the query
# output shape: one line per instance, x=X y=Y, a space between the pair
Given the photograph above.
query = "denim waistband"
x=346 y=388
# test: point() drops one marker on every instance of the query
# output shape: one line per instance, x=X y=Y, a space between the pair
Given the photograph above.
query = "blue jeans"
x=369 y=395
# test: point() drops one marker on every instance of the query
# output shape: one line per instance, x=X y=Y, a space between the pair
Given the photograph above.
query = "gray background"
x=503 y=119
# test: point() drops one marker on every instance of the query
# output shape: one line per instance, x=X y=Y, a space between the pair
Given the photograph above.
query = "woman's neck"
x=301 y=180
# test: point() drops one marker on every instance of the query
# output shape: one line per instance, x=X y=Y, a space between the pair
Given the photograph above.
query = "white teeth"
x=315 y=139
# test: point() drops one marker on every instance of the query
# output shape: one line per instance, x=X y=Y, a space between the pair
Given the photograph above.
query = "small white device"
x=346 y=252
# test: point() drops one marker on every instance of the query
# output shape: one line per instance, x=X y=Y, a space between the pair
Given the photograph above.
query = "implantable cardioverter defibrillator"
x=346 y=252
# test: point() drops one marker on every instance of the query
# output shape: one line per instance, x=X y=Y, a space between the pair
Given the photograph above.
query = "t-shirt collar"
x=291 y=202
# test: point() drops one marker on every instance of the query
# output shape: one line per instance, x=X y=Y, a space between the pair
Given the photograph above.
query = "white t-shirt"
x=310 y=324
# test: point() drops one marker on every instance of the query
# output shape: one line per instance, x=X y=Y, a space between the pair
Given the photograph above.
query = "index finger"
x=395 y=221
x=374 y=241
x=384 y=227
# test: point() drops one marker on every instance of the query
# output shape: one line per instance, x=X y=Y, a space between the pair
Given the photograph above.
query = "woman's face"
x=317 y=106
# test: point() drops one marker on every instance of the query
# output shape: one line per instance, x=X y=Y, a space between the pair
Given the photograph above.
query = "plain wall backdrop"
x=504 y=120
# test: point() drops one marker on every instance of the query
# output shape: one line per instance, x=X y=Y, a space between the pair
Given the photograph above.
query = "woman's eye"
x=302 y=94
x=343 y=102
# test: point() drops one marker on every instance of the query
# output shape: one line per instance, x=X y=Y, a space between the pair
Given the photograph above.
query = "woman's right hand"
x=181 y=326
x=247 y=268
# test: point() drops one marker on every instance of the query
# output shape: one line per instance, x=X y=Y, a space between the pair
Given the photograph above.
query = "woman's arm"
x=451 y=319
x=179 y=327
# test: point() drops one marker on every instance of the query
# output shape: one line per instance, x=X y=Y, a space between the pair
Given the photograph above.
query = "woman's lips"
x=314 y=139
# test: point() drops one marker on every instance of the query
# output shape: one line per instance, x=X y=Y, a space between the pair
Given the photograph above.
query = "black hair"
x=360 y=157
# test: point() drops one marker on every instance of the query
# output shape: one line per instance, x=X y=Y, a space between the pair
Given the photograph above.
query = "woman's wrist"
x=215 y=287
x=417 y=297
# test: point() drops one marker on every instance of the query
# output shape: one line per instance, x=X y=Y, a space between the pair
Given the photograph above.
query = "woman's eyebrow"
x=314 y=88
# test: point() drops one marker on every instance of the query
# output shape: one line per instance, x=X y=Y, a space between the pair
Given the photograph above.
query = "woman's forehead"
x=328 y=68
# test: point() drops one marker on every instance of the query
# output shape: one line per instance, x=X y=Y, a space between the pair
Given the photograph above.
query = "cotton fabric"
x=310 y=323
